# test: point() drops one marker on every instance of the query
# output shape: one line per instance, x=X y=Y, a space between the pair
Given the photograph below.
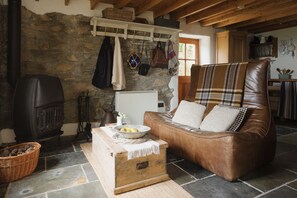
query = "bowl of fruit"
x=132 y=131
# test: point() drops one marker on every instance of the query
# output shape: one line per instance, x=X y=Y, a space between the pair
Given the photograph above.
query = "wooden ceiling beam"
x=67 y=2
x=251 y=28
x=217 y=10
x=275 y=27
x=272 y=15
x=256 y=10
x=169 y=8
x=194 y=7
x=121 y=3
x=217 y=19
x=147 y=5
x=211 y=12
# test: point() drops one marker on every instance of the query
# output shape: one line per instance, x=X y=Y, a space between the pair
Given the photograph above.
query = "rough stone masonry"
x=62 y=45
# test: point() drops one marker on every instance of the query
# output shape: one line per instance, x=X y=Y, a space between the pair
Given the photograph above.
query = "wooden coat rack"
x=108 y=27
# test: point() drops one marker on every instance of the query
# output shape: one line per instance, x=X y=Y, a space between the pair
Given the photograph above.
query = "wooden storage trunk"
x=117 y=14
x=121 y=174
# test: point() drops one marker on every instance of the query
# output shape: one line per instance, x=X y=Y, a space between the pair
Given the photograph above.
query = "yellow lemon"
x=134 y=130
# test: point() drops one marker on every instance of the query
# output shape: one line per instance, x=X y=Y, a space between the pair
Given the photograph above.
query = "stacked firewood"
x=7 y=152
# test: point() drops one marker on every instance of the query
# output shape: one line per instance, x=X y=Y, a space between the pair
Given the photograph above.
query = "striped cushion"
x=221 y=84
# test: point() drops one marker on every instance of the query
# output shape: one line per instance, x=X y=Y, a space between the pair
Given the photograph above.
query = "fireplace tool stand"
x=84 y=126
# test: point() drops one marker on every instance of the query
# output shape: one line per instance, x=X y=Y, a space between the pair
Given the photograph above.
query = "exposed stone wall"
x=5 y=90
x=62 y=45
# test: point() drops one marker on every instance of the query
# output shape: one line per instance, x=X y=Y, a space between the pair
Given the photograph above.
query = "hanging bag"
x=159 y=57
x=145 y=63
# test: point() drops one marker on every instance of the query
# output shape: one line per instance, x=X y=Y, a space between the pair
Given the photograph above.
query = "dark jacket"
x=103 y=71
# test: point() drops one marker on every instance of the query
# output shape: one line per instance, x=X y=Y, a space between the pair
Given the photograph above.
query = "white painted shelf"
x=108 y=27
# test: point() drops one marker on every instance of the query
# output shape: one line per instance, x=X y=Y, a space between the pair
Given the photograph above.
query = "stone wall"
x=5 y=90
x=62 y=45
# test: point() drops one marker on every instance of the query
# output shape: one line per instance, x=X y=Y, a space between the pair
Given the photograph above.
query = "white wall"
x=284 y=61
x=206 y=36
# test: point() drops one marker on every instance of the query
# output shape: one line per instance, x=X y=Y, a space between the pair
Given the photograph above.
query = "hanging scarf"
x=173 y=62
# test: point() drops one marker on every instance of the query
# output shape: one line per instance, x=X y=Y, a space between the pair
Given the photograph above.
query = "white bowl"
x=142 y=131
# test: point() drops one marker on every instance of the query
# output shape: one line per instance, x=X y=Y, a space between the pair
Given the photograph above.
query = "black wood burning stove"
x=38 y=108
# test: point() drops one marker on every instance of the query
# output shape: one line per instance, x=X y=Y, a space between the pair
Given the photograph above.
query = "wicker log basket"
x=16 y=167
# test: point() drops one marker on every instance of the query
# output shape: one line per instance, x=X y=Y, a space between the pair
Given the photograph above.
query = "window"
x=187 y=55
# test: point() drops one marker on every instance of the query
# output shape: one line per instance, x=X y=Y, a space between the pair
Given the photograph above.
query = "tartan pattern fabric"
x=221 y=84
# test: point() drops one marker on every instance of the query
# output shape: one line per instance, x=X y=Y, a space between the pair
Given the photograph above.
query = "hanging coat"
x=118 y=75
x=103 y=72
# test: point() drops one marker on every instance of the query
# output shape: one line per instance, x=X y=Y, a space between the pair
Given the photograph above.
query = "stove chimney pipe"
x=14 y=42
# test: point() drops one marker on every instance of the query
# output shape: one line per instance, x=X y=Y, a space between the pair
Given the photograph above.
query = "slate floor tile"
x=194 y=169
x=76 y=144
x=3 y=188
x=52 y=147
x=90 y=173
x=284 y=130
x=172 y=158
x=269 y=177
x=178 y=175
x=282 y=147
x=289 y=139
x=89 y=190
x=293 y=184
x=67 y=159
x=40 y=165
x=283 y=192
x=47 y=181
x=287 y=160
x=43 y=195
x=218 y=187
x=50 y=151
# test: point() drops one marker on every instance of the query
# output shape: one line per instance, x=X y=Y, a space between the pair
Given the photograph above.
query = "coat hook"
x=134 y=35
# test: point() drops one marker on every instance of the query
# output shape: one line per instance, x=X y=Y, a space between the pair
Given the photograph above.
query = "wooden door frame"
x=185 y=81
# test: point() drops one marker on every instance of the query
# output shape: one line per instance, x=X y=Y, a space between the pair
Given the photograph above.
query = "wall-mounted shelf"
x=268 y=49
x=108 y=27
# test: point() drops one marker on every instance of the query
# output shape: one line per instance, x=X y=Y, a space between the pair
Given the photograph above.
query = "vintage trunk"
x=122 y=174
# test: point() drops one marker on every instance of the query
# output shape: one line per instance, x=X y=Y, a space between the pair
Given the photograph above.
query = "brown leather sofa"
x=227 y=154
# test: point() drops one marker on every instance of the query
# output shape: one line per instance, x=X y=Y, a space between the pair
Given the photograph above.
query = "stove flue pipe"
x=14 y=42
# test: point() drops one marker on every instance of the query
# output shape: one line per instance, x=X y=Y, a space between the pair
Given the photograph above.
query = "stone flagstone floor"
x=64 y=171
